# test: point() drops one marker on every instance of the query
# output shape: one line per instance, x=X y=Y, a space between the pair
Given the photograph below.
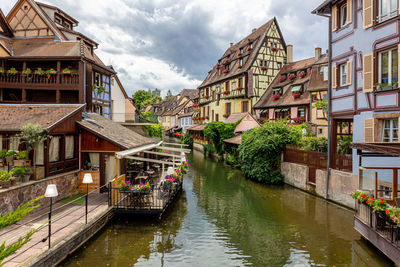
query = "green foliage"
x=11 y=153
x=188 y=140
x=140 y=97
x=343 y=144
x=217 y=132
x=32 y=134
x=209 y=149
x=23 y=154
x=5 y=175
x=154 y=130
x=3 y=153
x=260 y=151
x=20 y=171
x=317 y=144
x=150 y=117
x=20 y=213
x=169 y=94
x=232 y=160
x=6 y=251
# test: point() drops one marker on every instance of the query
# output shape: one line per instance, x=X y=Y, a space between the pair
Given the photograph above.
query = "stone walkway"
x=66 y=220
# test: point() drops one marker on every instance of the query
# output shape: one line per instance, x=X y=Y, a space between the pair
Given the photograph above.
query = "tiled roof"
x=234 y=117
x=236 y=140
x=45 y=47
x=189 y=93
x=256 y=37
x=286 y=98
x=14 y=116
x=197 y=127
x=114 y=132
x=247 y=123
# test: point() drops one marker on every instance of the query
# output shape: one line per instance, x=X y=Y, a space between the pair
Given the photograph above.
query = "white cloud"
x=172 y=44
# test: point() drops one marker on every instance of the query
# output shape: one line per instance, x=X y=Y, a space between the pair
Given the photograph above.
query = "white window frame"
x=343 y=14
x=390 y=52
x=390 y=13
x=324 y=71
x=343 y=74
x=391 y=130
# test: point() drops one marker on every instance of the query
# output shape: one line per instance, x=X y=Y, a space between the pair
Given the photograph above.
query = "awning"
x=277 y=110
x=125 y=153
x=296 y=88
x=276 y=89
x=195 y=114
x=284 y=109
x=264 y=111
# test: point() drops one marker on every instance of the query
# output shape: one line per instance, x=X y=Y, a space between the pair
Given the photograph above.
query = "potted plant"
x=6 y=179
x=144 y=188
x=3 y=154
x=282 y=79
x=24 y=173
x=26 y=72
x=52 y=72
x=66 y=71
x=296 y=94
x=22 y=159
x=126 y=187
x=12 y=71
x=10 y=157
x=292 y=76
x=39 y=71
x=379 y=208
x=2 y=70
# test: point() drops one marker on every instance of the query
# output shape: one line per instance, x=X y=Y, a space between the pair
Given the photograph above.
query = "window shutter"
x=334 y=18
x=350 y=11
x=369 y=130
x=368 y=13
x=334 y=77
x=368 y=75
x=240 y=104
x=349 y=72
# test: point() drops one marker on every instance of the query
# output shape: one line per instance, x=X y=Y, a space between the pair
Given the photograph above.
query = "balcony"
x=41 y=81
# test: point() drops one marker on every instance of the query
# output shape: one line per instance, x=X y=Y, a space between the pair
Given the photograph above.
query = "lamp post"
x=87 y=179
x=51 y=191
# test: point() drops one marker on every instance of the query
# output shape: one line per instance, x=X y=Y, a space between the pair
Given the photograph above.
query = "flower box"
x=52 y=72
x=225 y=71
x=292 y=77
x=282 y=79
x=206 y=117
x=296 y=95
x=302 y=75
x=12 y=71
x=226 y=115
x=21 y=162
x=239 y=88
x=226 y=92
x=299 y=120
x=276 y=97
x=264 y=68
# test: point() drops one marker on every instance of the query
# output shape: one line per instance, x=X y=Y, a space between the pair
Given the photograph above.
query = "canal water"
x=222 y=219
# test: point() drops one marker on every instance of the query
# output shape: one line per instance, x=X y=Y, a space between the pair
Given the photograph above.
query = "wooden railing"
x=343 y=163
x=18 y=80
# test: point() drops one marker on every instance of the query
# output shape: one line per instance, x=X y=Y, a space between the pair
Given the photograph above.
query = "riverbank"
x=223 y=219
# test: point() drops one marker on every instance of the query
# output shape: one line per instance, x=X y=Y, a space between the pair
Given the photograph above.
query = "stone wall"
x=295 y=174
x=341 y=184
x=198 y=146
x=11 y=198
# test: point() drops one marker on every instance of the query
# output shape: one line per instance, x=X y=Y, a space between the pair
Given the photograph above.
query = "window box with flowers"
x=302 y=74
x=12 y=71
x=282 y=79
x=67 y=71
x=206 y=118
x=276 y=96
x=264 y=68
x=292 y=76
x=239 y=88
x=226 y=92
x=225 y=71
x=299 y=120
x=296 y=95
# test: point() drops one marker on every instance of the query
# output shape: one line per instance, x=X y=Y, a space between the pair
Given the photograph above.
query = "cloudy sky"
x=172 y=44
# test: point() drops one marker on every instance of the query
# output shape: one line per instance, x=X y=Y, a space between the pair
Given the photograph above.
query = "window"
x=343 y=15
x=263 y=63
x=343 y=74
x=228 y=109
x=54 y=149
x=387 y=67
x=301 y=112
x=245 y=106
x=240 y=82
x=67 y=25
x=387 y=9
x=279 y=65
x=241 y=62
x=58 y=20
x=227 y=87
x=319 y=131
x=390 y=130
x=69 y=147
x=324 y=71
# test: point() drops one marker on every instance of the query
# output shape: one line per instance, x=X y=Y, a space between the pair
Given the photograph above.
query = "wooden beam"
x=151 y=160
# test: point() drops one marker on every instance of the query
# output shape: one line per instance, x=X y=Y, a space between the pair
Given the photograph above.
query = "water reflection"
x=223 y=219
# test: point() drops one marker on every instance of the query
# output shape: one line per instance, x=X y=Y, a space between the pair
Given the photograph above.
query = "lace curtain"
x=69 y=147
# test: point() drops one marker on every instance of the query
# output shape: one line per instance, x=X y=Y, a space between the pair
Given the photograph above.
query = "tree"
x=154 y=93
x=169 y=94
x=140 y=97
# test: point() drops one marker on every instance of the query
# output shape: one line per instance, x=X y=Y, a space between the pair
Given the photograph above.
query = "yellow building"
x=243 y=74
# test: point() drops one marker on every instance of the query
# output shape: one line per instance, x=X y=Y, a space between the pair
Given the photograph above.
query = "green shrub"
x=23 y=154
x=5 y=175
x=260 y=151
x=209 y=148
x=3 y=153
x=154 y=130
x=188 y=140
x=217 y=132
x=11 y=153
x=232 y=160
x=317 y=144
x=343 y=144
x=20 y=171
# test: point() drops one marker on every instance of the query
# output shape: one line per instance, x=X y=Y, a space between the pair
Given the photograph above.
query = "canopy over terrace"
x=382 y=180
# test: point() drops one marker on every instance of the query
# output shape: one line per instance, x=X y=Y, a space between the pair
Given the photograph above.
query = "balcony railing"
x=19 y=80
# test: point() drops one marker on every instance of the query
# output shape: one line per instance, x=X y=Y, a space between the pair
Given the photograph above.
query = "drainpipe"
x=329 y=98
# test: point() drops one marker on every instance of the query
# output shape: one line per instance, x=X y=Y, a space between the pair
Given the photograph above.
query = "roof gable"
x=5 y=28
x=248 y=122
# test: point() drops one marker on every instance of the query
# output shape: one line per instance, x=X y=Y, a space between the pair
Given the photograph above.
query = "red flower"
x=381 y=202
x=351 y=194
x=387 y=211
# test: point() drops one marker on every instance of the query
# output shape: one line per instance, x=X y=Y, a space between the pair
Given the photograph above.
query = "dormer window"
x=276 y=93
x=67 y=25
x=58 y=20
x=297 y=91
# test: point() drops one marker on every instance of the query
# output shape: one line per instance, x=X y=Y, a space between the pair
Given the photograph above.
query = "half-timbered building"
x=43 y=59
x=243 y=73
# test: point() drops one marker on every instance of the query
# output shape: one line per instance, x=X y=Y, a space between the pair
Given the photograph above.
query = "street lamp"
x=87 y=179
x=170 y=171
x=51 y=191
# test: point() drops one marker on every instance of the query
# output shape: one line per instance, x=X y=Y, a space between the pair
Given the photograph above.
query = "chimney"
x=318 y=53
x=289 y=53
x=253 y=30
x=231 y=44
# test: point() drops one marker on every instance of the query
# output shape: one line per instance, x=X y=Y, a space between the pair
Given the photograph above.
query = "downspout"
x=329 y=99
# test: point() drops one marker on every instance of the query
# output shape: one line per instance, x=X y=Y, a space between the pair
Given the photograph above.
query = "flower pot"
x=296 y=95
x=20 y=162
x=26 y=178
x=276 y=97
x=9 y=160
x=5 y=184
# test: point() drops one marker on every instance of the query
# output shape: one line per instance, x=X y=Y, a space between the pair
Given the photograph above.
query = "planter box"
x=26 y=178
x=9 y=160
x=22 y=162
x=6 y=184
x=37 y=173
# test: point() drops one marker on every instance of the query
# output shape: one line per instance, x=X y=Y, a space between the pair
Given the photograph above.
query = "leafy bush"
x=150 y=117
x=3 y=153
x=32 y=134
x=23 y=154
x=5 y=176
x=154 y=130
x=188 y=140
x=317 y=144
x=11 y=153
x=343 y=144
x=217 y=132
x=260 y=151
x=20 y=213
x=232 y=160
x=209 y=148
x=20 y=171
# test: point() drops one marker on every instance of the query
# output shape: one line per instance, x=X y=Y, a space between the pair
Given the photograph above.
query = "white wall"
x=118 y=102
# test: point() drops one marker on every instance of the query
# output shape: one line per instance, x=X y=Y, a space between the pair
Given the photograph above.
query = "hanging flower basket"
x=225 y=71
x=226 y=92
x=276 y=97
x=292 y=76
x=296 y=95
x=282 y=79
x=264 y=68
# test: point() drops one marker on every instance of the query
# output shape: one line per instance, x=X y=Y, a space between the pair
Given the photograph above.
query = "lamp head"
x=170 y=171
x=87 y=178
x=51 y=191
